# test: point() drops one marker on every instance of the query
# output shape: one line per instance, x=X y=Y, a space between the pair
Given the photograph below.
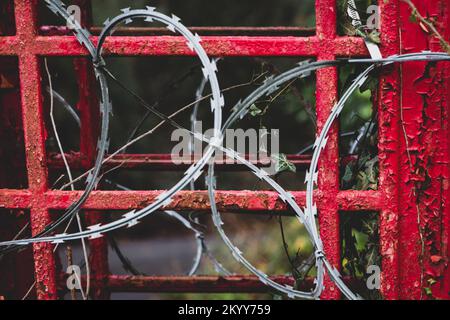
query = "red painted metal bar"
x=162 y=162
x=173 y=45
x=388 y=149
x=228 y=200
x=89 y=115
x=88 y=105
x=326 y=97
x=424 y=160
x=406 y=266
x=445 y=286
x=197 y=284
x=145 y=31
x=34 y=132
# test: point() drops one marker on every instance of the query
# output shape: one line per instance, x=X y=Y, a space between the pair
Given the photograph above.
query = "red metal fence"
x=414 y=151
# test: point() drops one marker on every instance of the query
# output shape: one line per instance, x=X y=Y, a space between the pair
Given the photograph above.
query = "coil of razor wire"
x=307 y=218
x=202 y=248
x=209 y=70
x=321 y=141
x=271 y=85
x=83 y=36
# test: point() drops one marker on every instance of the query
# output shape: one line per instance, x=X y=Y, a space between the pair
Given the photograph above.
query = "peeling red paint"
x=388 y=152
x=424 y=161
x=173 y=45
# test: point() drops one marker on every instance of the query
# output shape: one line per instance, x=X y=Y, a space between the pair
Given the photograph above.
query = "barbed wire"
x=202 y=248
x=209 y=72
x=83 y=36
x=307 y=218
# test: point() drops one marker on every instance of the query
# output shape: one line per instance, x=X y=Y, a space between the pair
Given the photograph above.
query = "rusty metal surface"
x=161 y=162
x=34 y=133
x=229 y=200
x=388 y=152
x=174 y=45
x=89 y=135
x=326 y=97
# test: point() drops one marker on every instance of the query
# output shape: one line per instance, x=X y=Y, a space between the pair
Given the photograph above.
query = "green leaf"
x=365 y=113
x=283 y=164
x=255 y=111
x=413 y=17
x=348 y=175
x=428 y=291
x=374 y=37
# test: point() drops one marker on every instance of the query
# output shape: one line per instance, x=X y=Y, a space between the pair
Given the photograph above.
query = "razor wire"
x=321 y=142
x=286 y=289
x=271 y=85
x=307 y=218
x=202 y=248
x=217 y=102
x=82 y=35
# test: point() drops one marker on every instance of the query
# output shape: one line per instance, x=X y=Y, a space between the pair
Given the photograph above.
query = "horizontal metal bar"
x=15 y=199
x=145 y=31
x=178 y=284
x=163 y=162
x=196 y=284
x=252 y=201
x=175 y=45
x=199 y=284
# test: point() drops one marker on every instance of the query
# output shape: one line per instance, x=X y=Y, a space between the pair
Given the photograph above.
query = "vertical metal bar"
x=34 y=132
x=388 y=149
x=326 y=94
x=446 y=196
x=90 y=119
x=423 y=160
x=326 y=18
